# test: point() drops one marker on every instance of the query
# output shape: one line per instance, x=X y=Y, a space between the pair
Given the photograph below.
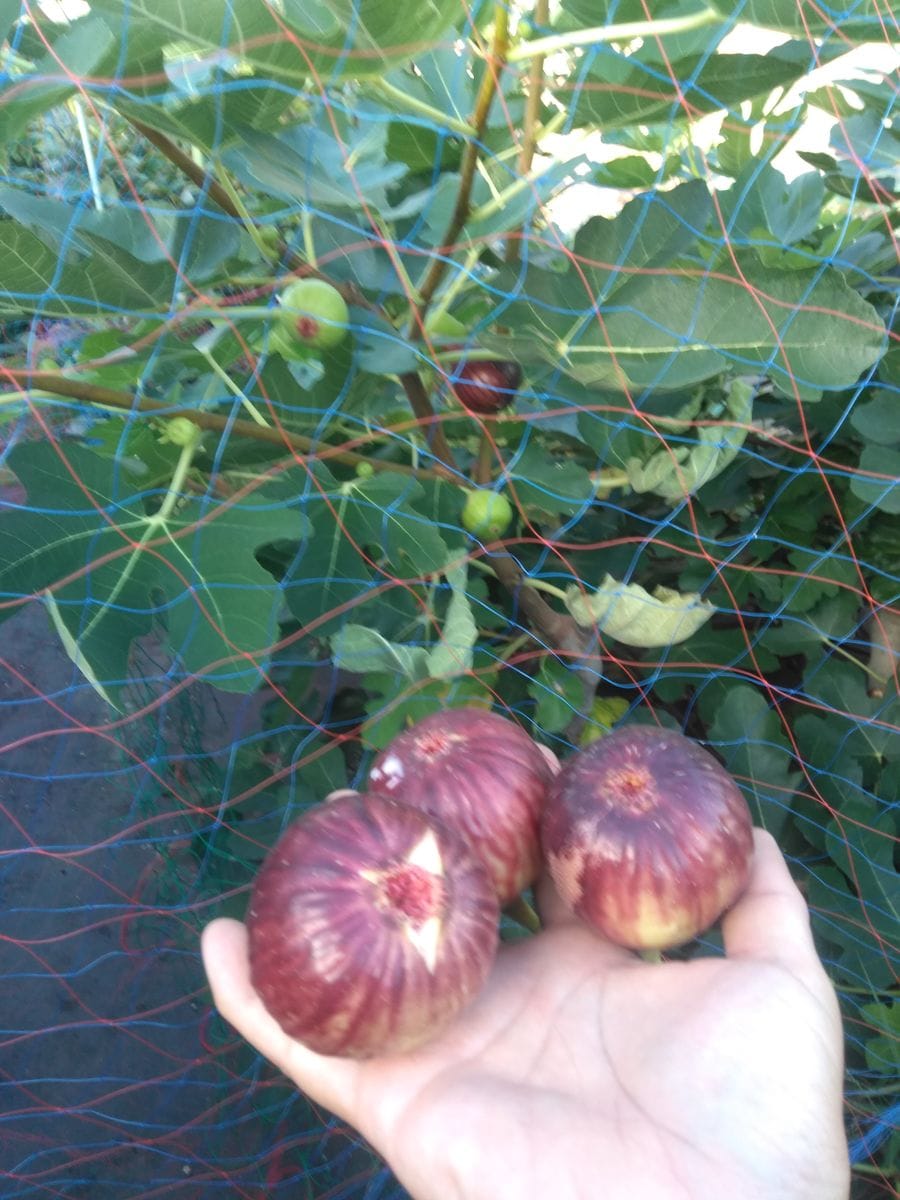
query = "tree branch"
x=489 y=84
x=60 y=385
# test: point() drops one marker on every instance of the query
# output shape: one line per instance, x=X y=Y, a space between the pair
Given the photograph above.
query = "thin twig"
x=489 y=84
x=532 y=116
x=434 y=432
x=197 y=174
x=484 y=464
x=59 y=385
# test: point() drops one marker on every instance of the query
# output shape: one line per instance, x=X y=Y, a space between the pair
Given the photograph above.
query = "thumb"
x=770 y=921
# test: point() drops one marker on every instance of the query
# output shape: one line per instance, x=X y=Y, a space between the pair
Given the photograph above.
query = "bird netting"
x=632 y=267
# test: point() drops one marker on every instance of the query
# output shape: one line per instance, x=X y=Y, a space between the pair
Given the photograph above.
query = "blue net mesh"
x=171 y=697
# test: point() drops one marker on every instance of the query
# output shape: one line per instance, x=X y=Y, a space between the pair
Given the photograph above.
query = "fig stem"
x=652 y=956
x=522 y=912
x=484 y=464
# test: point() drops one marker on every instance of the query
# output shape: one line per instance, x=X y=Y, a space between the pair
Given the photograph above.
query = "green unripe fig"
x=314 y=313
x=181 y=431
x=487 y=514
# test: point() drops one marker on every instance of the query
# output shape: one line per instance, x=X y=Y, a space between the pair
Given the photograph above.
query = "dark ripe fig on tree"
x=647 y=837
x=370 y=927
x=483 y=776
x=485 y=387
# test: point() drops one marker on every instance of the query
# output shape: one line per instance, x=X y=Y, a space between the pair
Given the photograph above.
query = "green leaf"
x=859 y=937
x=392 y=710
x=200 y=245
x=858 y=725
x=621 y=90
x=762 y=197
x=559 y=693
x=34 y=280
x=367 y=540
x=112 y=568
x=627 y=171
x=382 y=514
x=220 y=602
x=816 y=575
x=10 y=10
x=879 y=419
x=674 y=327
x=866 y=20
x=77 y=53
x=861 y=900
x=883 y=1050
x=712 y=659
x=750 y=737
x=298 y=38
x=830 y=619
x=634 y=616
x=381 y=349
x=676 y=472
x=883 y=493
x=545 y=484
x=364 y=651
x=651 y=231
x=306 y=165
x=453 y=655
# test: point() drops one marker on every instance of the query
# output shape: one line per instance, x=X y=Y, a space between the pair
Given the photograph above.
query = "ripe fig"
x=370 y=926
x=314 y=313
x=647 y=837
x=482 y=776
x=485 y=387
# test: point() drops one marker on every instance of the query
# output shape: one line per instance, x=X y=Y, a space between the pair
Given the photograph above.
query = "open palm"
x=581 y=1071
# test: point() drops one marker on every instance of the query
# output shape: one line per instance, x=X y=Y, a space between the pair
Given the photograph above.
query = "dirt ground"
x=114 y=1080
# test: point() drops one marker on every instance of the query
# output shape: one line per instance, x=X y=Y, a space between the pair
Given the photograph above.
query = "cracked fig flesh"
x=370 y=926
x=647 y=837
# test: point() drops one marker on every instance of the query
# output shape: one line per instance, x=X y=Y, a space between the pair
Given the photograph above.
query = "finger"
x=770 y=921
x=553 y=762
x=328 y=1081
x=551 y=907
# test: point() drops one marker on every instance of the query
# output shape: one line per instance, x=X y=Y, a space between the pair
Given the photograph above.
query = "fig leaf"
x=631 y=614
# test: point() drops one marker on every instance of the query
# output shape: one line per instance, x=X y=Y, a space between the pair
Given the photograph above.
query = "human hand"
x=581 y=1070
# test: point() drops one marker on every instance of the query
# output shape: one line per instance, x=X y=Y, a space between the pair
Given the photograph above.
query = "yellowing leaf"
x=605 y=711
x=631 y=614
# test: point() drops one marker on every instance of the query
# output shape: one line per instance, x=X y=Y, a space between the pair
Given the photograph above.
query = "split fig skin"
x=370 y=927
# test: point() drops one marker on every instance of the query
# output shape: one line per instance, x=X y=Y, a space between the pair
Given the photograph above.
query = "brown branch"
x=91 y=393
x=489 y=84
x=484 y=464
x=197 y=174
x=434 y=433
